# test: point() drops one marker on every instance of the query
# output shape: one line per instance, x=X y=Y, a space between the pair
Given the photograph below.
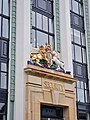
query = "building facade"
x=24 y=26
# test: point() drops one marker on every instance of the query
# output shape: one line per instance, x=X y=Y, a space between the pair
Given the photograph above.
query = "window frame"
x=80 y=25
x=82 y=77
x=79 y=45
x=79 y=3
x=84 y=89
x=49 y=16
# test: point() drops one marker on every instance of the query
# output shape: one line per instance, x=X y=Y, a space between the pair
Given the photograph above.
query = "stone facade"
x=45 y=86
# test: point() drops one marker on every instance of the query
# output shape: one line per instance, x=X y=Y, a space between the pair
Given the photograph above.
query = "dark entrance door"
x=51 y=112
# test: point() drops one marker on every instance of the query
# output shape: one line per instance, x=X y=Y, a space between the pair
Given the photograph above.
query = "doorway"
x=51 y=112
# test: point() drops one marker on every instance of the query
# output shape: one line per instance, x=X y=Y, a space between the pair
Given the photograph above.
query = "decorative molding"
x=57 y=12
x=87 y=27
x=13 y=55
x=47 y=73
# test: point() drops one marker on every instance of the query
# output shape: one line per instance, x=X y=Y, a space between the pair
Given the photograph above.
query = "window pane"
x=72 y=51
x=84 y=55
x=33 y=34
x=34 y=42
x=5 y=28
x=42 y=4
x=5 y=7
x=3 y=80
x=76 y=20
x=77 y=37
x=50 y=6
x=75 y=6
x=51 y=40
x=81 y=9
x=85 y=85
x=74 y=68
x=2 y=117
x=0 y=5
x=51 y=25
x=45 y=23
x=5 y=48
x=71 y=34
x=79 y=70
x=78 y=55
x=80 y=93
x=3 y=45
x=3 y=67
x=83 y=39
x=33 y=18
x=42 y=38
x=83 y=116
x=85 y=71
x=78 y=84
x=82 y=86
x=39 y=20
x=2 y=108
x=0 y=25
x=86 y=95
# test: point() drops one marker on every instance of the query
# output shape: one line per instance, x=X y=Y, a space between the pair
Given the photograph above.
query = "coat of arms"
x=46 y=58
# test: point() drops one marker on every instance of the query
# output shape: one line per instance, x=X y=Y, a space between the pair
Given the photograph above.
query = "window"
x=2 y=111
x=79 y=58
x=77 y=22
x=77 y=37
x=4 y=56
x=83 y=116
x=78 y=55
x=80 y=64
x=76 y=6
x=0 y=25
x=6 y=7
x=3 y=49
x=3 y=75
x=82 y=91
x=0 y=6
x=51 y=112
x=79 y=48
x=42 y=23
x=77 y=15
x=5 y=27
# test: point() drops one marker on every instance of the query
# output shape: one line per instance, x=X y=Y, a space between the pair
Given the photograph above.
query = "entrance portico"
x=49 y=95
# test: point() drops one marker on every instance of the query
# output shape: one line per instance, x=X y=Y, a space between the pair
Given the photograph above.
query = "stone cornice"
x=47 y=73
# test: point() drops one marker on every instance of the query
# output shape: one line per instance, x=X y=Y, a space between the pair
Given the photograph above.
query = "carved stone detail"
x=53 y=86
